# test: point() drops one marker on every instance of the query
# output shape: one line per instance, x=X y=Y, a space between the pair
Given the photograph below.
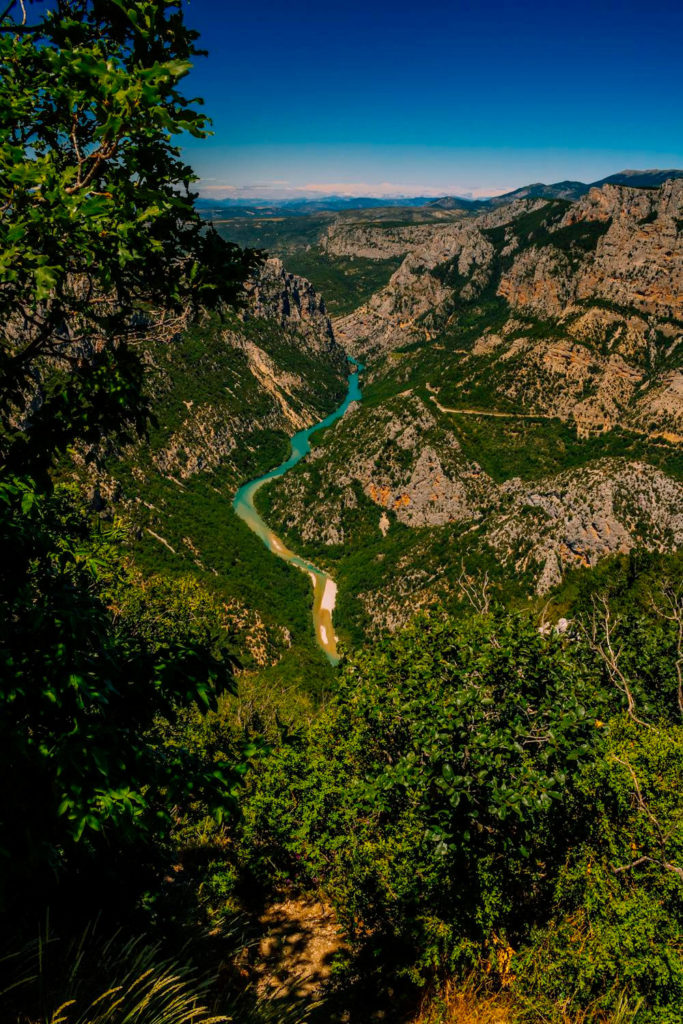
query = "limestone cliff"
x=415 y=300
x=637 y=263
x=402 y=458
x=274 y=369
x=551 y=320
x=603 y=275
x=293 y=303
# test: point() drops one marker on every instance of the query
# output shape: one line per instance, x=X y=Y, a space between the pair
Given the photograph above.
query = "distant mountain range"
x=575 y=189
x=329 y=204
x=324 y=204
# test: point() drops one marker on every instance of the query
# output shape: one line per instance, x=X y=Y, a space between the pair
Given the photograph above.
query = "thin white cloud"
x=205 y=189
x=281 y=189
x=360 y=188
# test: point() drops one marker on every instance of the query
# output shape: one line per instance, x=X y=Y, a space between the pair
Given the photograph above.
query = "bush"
x=481 y=797
x=435 y=797
x=615 y=930
x=84 y=783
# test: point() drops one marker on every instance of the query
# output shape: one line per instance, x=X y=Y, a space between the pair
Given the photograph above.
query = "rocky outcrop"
x=558 y=377
x=404 y=465
x=603 y=276
x=659 y=410
x=579 y=517
x=570 y=520
x=415 y=301
x=260 y=391
x=400 y=458
x=540 y=280
x=374 y=242
x=389 y=320
x=291 y=301
x=637 y=263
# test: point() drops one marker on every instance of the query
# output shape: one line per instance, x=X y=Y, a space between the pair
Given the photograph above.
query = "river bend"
x=324 y=587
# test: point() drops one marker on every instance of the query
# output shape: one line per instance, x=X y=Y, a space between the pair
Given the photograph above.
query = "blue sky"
x=433 y=97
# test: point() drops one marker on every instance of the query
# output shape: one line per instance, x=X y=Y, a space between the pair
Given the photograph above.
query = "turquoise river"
x=324 y=587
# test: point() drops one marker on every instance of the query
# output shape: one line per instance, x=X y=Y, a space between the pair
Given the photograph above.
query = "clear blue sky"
x=463 y=97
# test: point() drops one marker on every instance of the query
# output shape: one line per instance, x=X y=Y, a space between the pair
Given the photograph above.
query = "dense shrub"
x=615 y=929
x=469 y=799
x=93 y=658
x=435 y=795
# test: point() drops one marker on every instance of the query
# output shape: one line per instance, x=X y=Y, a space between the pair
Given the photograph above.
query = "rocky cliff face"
x=637 y=263
x=415 y=300
x=578 y=517
x=562 y=319
x=278 y=369
x=604 y=275
x=401 y=458
x=293 y=303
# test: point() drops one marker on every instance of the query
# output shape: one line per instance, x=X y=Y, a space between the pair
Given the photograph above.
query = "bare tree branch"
x=477 y=591
x=601 y=640
x=662 y=837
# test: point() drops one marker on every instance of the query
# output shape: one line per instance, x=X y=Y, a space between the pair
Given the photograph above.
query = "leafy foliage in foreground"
x=615 y=924
x=99 y=240
x=477 y=793
x=96 y=217
x=83 y=684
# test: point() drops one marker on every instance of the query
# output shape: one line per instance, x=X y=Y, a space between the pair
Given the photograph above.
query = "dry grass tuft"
x=468 y=1003
x=465 y=1003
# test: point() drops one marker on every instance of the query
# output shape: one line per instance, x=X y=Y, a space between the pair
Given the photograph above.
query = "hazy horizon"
x=383 y=190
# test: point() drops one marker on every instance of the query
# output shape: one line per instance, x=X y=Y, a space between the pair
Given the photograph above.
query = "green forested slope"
x=226 y=396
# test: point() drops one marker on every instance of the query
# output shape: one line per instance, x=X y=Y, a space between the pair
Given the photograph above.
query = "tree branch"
x=644 y=807
x=605 y=648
